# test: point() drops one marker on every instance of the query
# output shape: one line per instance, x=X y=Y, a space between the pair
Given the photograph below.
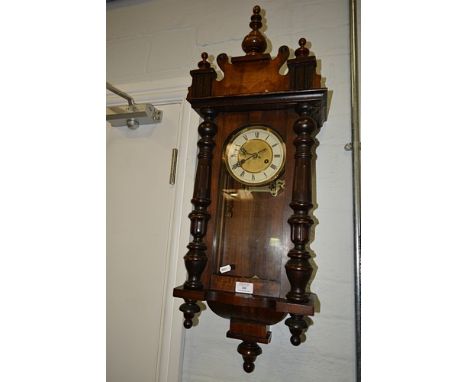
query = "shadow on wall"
x=114 y=4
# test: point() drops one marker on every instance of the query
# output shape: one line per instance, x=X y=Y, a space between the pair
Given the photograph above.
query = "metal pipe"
x=356 y=145
x=120 y=93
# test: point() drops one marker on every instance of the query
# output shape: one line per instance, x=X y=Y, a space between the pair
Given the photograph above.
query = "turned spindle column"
x=298 y=267
x=195 y=259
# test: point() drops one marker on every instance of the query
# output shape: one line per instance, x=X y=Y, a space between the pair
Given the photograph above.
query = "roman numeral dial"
x=255 y=155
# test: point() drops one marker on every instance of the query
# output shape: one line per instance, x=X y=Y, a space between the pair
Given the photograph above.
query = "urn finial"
x=302 y=51
x=203 y=64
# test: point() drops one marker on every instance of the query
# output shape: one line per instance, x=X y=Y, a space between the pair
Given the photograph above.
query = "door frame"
x=165 y=92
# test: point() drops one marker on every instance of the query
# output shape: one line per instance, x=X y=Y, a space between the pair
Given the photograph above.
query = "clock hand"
x=244 y=151
x=242 y=161
x=258 y=152
x=256 y=155
x=235 y=165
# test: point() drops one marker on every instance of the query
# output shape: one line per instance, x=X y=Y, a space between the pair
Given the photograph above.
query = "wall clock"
x=248 y=257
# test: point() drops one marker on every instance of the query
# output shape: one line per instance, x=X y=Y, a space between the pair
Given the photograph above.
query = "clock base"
x=249 y=331
x=249 y=316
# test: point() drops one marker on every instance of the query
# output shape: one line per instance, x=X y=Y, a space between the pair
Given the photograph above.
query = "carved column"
x=195 y=259
x=298 y=268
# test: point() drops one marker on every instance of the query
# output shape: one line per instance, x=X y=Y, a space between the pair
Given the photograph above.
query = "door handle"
x=172 y=175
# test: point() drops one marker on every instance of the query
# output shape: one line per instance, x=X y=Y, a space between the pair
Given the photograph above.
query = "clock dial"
x=255 y=155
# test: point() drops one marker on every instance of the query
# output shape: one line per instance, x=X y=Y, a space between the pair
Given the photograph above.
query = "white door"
x=140 y=205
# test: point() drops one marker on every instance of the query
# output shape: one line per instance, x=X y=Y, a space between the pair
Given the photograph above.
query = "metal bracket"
x=273 y=188
x=133 y=114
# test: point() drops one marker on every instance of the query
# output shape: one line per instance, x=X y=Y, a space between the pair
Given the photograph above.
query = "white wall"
x=158 y=40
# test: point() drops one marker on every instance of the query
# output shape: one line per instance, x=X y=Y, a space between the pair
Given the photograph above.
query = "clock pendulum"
x=250 y=223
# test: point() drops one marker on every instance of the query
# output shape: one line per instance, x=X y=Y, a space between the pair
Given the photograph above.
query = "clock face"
x=255 y=155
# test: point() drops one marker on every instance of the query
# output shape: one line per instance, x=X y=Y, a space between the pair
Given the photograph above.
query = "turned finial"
x=302 y=51
x=203 y=64
x=256 y=19
x=254 y=42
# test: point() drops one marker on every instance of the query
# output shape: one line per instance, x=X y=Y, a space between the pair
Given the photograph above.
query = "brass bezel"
x=241 y=131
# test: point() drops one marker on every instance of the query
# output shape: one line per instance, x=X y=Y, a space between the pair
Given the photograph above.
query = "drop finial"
x=302 y=51
x=203 y=64
x=254 y=42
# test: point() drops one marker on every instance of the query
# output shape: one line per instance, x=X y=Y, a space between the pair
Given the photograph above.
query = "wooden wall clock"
x=250 y=224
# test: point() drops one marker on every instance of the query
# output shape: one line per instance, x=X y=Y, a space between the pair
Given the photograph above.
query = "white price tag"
x=225 y=269
x=242 y=287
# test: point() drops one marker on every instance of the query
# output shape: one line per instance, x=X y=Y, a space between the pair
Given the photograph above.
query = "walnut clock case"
x=250 y=224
